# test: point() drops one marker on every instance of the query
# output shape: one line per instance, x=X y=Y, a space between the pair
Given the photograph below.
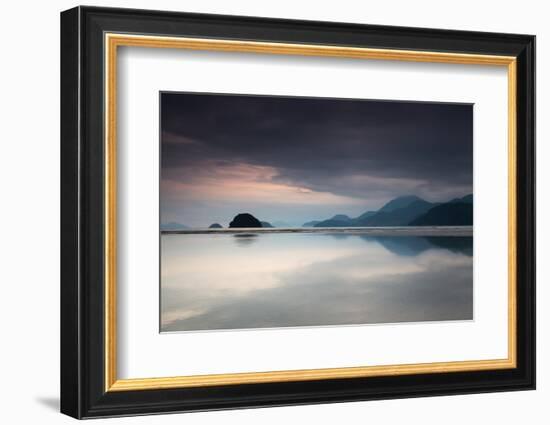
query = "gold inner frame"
x=113 y=41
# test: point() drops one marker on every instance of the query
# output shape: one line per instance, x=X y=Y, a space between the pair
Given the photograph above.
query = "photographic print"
x=302 y=211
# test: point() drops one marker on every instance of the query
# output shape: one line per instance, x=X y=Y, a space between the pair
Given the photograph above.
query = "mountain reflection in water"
x=226 y=281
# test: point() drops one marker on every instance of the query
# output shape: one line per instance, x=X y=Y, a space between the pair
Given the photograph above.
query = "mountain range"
x=402 y=211
x=408 y=210
x=173 y=226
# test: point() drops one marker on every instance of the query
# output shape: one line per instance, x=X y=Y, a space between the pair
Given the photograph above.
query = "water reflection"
x=411 y=246
x=279 y=280
x=244 y=239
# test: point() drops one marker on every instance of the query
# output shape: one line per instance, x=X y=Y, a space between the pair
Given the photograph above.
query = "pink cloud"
x=241 y=181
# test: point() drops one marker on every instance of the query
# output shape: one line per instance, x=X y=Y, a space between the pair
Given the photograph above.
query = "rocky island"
x=245 y=220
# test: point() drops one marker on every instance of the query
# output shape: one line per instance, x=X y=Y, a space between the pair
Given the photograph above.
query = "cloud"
x=242 y=182
x=337 y=151
x=176 y=139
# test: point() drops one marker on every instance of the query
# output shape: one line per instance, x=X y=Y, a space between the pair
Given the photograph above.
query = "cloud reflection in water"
x=281 y=280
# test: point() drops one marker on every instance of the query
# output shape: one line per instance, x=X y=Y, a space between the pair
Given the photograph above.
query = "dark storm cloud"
x=296 y=159
x=323 y=144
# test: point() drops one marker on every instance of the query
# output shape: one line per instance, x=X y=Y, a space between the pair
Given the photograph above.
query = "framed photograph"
x=261 y=212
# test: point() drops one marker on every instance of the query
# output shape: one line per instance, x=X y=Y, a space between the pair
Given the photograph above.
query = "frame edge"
x=526 y=202
x=70 y=349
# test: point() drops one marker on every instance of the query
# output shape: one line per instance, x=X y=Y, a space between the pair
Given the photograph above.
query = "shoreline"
x=375 y=231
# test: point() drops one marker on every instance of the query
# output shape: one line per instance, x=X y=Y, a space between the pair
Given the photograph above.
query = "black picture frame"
x=83 y=392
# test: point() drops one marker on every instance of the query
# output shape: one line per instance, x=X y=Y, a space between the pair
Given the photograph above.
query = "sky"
x=296 y=159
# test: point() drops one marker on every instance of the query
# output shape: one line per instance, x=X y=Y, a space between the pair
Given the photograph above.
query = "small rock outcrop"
x=245 y=220
x=215 y=226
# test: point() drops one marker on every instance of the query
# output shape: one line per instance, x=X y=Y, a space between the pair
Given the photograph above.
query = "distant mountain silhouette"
x=245 y=220
x=403 y=211
x=366 y=215
x=311 y=223
x=449 y=214
x=215 y=226
x=399 y=213
x=341 y=217
x=266 y=224
x=400 y=202
x=335 y=223
x=339 y=220
x=173 y=226
x=468 y=199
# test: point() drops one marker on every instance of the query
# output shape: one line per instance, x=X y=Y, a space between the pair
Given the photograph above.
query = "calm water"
x=227 y=281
